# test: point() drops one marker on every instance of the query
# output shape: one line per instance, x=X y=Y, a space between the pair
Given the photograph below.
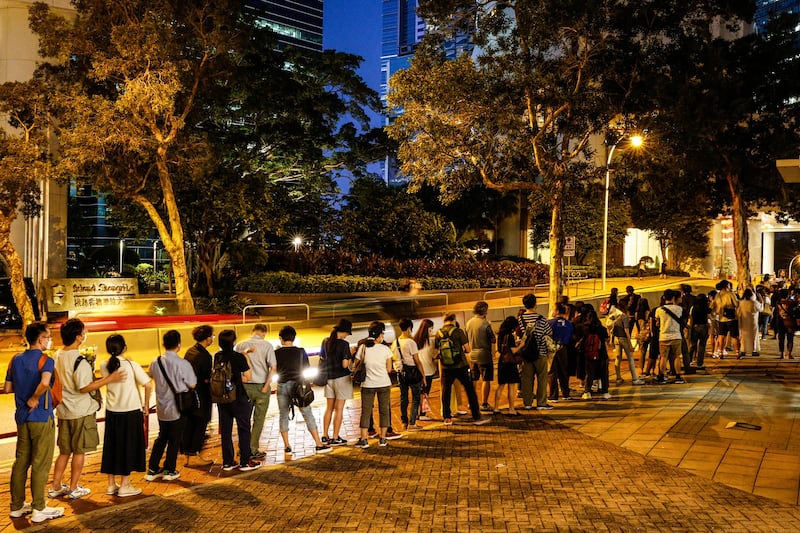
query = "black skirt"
x=123 y=444
x=507 y=373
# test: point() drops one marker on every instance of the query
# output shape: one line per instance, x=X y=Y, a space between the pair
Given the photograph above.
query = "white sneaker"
x=587 y=396
x=425 y=418
x=22 y=511
x=79 y=492
x=48 y=513
x=130 y=490
x=606 y=396
x=639 y=381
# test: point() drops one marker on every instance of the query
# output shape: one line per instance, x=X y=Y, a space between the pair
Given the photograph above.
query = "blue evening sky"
x=354 y=26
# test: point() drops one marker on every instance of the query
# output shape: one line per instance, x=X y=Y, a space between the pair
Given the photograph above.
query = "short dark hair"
x=450 y=317
x=201 y=333
x=171 y=339
x=529 y=301
x=480 y=308
x=405 y=323
x=34 y=330
x=260 y=327
x=70 y=330
x=226 y=339
x=376 y=328
x=287 y=333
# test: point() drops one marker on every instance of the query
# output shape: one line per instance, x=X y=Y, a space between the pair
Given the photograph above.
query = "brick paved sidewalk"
x=517 y=473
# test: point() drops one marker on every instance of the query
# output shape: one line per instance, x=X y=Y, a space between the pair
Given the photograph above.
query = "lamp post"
x=636 y=141
x=121 y=249
x=155 y=245
x=297 y=242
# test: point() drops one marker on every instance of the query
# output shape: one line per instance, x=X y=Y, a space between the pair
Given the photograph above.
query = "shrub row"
x=290 y=282
x=488 y=273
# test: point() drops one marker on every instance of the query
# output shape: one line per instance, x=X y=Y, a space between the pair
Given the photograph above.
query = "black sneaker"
x=661 y=379
x=362 y=443
x=338 y=441
x=679 y=380
x=252 y=464
x=232 y=466
x=325 y=439
x=258 y=455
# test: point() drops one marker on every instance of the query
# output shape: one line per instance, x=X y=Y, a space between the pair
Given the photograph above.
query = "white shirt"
x=123 y=396
x=375 y=358
x=426 y=358
x=670 y=328
x=74 y=404
x=261 y=359
x=408 y=347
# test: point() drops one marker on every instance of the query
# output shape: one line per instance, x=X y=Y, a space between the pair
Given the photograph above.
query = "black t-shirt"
x=291 y=360
x=238 y=366
x=340 y=351
x=700 y=315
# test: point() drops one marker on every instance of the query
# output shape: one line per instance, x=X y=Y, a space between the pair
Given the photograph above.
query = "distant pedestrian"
x=699 y=324
x=558 y=375
x=786 y=323
x=194 y=433
x=28 y=378
x=239 y=410
x=670 y=336
x=592 y=345
x=747 y=313
x=335 y=357
x=621 y=331
x=291 y=361
x=123 y=442
x=260 y=356
x=482 y=342
x=170 y=420
x=77 y=423
x=724 y=305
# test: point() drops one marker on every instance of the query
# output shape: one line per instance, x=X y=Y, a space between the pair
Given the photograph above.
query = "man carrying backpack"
x=534 y=328
x=453 y=346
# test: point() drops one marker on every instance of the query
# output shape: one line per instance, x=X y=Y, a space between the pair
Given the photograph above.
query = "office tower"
x=296 y=22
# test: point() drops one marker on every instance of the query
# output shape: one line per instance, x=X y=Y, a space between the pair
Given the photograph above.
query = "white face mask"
x=49 y=344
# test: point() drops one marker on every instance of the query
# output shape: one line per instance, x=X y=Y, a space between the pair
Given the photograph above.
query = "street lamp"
x=297 y=242
x=121 y=249
x=155 y=245
x=635 y=141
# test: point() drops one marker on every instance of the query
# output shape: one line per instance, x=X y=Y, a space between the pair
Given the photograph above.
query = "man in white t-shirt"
x=260 y=355
x=77 y=425
x=670 y=318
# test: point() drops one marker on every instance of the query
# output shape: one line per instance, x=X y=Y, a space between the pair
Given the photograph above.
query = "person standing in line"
x=239 y=410
x=622 y=333
x=170 y=420
x=593 y=346
x=123 y=441
x=724 y=305
x=377 y=359
x=290 y=363
x=335 y=356
x=532 y=323
x=670 y=319
x=481 y=342
x=28 y=378
x=558 y=375
x=699 y=318
x=77 y=424
x=412 y=377
x=507 y=367
x=747 y=313
x=786 y=323
x=458 y=371
x=260 y=356
x=194 y=434
x=424 y=340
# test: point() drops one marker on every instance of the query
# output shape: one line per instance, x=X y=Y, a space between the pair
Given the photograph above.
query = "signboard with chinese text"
x=87 y=295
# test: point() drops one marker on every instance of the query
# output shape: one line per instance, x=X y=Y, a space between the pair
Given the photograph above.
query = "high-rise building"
x=402 y=30
x=297 y=23
x=769 y=8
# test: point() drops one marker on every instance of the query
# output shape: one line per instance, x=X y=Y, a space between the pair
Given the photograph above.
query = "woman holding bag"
x=507 y=364
x=335 y=356
x=424 y=340
x=376 y=358
x=412 y=376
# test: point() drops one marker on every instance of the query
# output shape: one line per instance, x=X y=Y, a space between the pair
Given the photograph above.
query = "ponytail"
x=329 y=342
x=115 y=345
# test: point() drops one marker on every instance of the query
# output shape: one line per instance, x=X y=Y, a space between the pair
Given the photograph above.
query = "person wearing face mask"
x=77 y=425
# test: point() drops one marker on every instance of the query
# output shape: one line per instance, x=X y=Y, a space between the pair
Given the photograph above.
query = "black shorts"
x=731 y=327
x=484 y=372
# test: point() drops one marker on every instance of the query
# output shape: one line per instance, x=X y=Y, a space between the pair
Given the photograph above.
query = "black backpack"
x=531 y=350
x=221 y=383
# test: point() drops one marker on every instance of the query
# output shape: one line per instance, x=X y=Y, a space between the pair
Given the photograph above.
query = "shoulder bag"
x=186 y=401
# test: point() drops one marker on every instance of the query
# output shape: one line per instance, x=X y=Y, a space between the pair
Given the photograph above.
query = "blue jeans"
x=285 y=406
x=415 y=389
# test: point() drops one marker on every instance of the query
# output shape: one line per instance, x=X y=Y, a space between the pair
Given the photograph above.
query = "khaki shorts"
x=78 y=436
x=339 y=388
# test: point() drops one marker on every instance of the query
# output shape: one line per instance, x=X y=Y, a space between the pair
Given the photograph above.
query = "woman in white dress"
x=747 y=313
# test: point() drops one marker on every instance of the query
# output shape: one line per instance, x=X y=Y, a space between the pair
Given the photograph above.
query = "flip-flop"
x=512 y=414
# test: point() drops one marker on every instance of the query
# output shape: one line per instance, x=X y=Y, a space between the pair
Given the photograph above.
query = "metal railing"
x=487 y=293
x=261 y=306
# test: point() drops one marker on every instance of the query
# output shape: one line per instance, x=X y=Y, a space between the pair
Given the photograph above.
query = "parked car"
x=9 y=314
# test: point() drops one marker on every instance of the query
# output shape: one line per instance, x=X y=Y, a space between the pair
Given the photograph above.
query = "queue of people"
x=534 y=358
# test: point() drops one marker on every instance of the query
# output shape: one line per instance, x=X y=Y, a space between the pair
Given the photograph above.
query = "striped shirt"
x=541 y=328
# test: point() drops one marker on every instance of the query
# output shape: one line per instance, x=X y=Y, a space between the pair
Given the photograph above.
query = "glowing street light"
x=636 y=141
x=297 y=242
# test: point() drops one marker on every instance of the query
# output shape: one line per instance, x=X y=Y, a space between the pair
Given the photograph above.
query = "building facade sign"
x=88 y=295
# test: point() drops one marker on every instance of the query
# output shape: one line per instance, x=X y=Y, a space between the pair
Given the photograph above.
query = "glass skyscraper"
x=768 y=8
x=296 y=22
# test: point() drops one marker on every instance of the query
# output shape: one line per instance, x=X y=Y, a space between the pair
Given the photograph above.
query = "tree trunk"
x=14 y=261
x=741 y=238
x=556 y=245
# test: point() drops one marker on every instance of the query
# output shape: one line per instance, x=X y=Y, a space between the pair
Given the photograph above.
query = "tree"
x=387 y=221
x=729 y=105
x=24 y=165
x=129 y=75
x=548 y=77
